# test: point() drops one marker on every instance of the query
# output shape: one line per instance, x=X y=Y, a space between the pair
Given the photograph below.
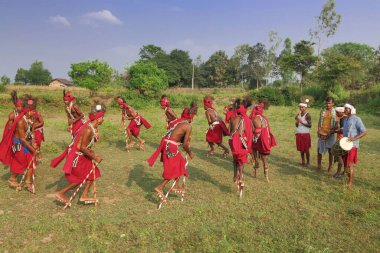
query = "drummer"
x=340 y=117
x=354 y=129
x=326 y=129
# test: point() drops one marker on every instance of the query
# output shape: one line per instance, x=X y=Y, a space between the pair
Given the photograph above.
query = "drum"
x=342 y=146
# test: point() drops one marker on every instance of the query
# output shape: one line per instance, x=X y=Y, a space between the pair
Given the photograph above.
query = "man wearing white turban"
x=354 y=129
x=303 y=140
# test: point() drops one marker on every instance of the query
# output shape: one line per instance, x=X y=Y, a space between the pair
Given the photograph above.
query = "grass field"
x=300 y=210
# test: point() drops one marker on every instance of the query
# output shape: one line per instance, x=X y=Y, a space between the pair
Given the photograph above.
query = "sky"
x=62 y=32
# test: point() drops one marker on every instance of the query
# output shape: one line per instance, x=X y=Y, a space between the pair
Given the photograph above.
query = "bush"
x=2 y=88
x=83 y=100
x=316 y=92
x=292 y=94
x=270 y=94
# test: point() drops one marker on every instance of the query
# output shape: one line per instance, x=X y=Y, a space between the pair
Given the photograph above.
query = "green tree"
x=183 y=65
x=216 y=67
x=257 y=63
x=91 y=74
x=375 y=70
x=38 y=75
x=4 y=80
x=240 y=65
x=21 y=76
x=327 y=24
x=284 y=63
x=270 y=65
x=149 y=52
x=147 y=78
x=303 y=59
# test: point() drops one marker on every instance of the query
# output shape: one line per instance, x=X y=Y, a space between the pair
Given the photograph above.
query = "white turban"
x=304 y=104
x=339 y=109
x=353 y=110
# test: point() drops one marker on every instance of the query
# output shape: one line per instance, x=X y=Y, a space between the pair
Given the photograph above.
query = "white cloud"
x=59 y=20
x=104 y=16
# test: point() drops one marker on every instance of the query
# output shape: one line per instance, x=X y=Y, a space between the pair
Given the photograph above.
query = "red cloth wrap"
x=79 y=173
x=20 y=160
x=351 y=157
x=174 y=166
x=216 y=135
x=135 y=129
x=239 y=153
x=75 y=127
x=266 y=140
x=39 y=136
x=303 y=142
x=6 y=143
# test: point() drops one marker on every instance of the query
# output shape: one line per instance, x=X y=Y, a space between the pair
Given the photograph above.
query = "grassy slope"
x=300 y=210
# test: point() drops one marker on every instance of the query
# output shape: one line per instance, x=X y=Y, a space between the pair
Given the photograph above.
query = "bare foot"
x=29 y=187
x=210 y=153
x=141 y=146
x=12 y=183
x=179 y=189
x=61 y=198
x=88 y=200
x=160 y=193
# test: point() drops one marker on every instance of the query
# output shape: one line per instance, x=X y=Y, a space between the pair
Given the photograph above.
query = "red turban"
x=241 y=110
x=165 y=102
x=68 y=97
x=187 y=113
x=96 y=115
x=18 y=103
x=207 y=102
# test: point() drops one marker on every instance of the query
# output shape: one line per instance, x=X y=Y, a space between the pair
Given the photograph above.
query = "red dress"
x=216 y=132
x=240 y=142
x=263 y=139
x=136 y=123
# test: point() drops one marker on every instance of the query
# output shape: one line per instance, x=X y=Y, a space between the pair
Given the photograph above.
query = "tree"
x=91 y=74
x=327 y=24
x=21 y=76
x=149 y=52
x=4 y=80
x=37 y=74
x=183 y=63
x=270 y=65
x=147 y=78
x=217 y=66
x=257 y=60
x=303 y=59
x=283 y=62
x=239 y=60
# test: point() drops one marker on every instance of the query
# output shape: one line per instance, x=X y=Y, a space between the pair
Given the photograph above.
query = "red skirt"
x=216 y=135
x=303 y=142
x=135 y=129
x=79 y=173
x=351 y=157
x=174 y=166
x=239 y=153
x=20 y=160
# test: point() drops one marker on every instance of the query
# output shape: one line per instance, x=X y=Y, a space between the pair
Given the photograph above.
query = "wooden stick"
x=94 y=169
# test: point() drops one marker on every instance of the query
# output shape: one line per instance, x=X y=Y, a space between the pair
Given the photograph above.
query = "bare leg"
x=211 y=151
x=350 y=170
x=266 y=168
x=307 y=158
x=130 y=137
x=303 y=158
x=85 y=191
x=331 y=158
x=13 y=180
x=61 y=194
x=142 y=142
x=256 y=162
x=159 y=189
x=319 y=161
x=28 y=181
x=226 y=151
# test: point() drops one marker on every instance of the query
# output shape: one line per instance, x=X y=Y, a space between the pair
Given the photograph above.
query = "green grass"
x=300 y=210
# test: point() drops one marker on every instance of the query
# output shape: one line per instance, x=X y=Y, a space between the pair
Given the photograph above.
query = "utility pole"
x=192 y=79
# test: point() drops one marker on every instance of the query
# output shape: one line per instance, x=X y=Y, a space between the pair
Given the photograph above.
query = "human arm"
x=361 y=130
x=308 y=120
x=186 y=142
x=83 y=143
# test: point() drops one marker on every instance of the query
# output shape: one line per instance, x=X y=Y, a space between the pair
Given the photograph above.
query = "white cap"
x=98 y=107
x=339 y=109
x=352 y=108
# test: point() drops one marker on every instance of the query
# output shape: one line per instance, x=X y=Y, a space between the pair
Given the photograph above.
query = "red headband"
x=68 y=97
x=96 y=116
x=120 y=101
x=207 y=102
x=241 y=110
x=25 y=110
x=165 y=102
x=187 y=114
x=18 y=102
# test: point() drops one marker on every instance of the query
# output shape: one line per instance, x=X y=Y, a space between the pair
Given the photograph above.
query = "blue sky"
x=63 y=32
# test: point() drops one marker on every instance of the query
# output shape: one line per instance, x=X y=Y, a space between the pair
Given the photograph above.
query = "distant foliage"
x=147 y=78
x=91 y=74
x=35 y=75
x=271 y=94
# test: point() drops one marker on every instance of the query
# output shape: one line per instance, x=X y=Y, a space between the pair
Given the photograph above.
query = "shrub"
x=316 y=92
x=291 y=93
x=2 y=88
x=270 y=94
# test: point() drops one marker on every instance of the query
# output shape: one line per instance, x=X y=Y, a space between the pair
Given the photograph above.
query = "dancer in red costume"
x=133 y=129
x=75 y=118
x=80 y=157
x=16 y=148
x=217 y=129
x=263 y=140
x=168 y=111
x=38 y=129
x=240 y=141
x=172 y=159
x=16 y=111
